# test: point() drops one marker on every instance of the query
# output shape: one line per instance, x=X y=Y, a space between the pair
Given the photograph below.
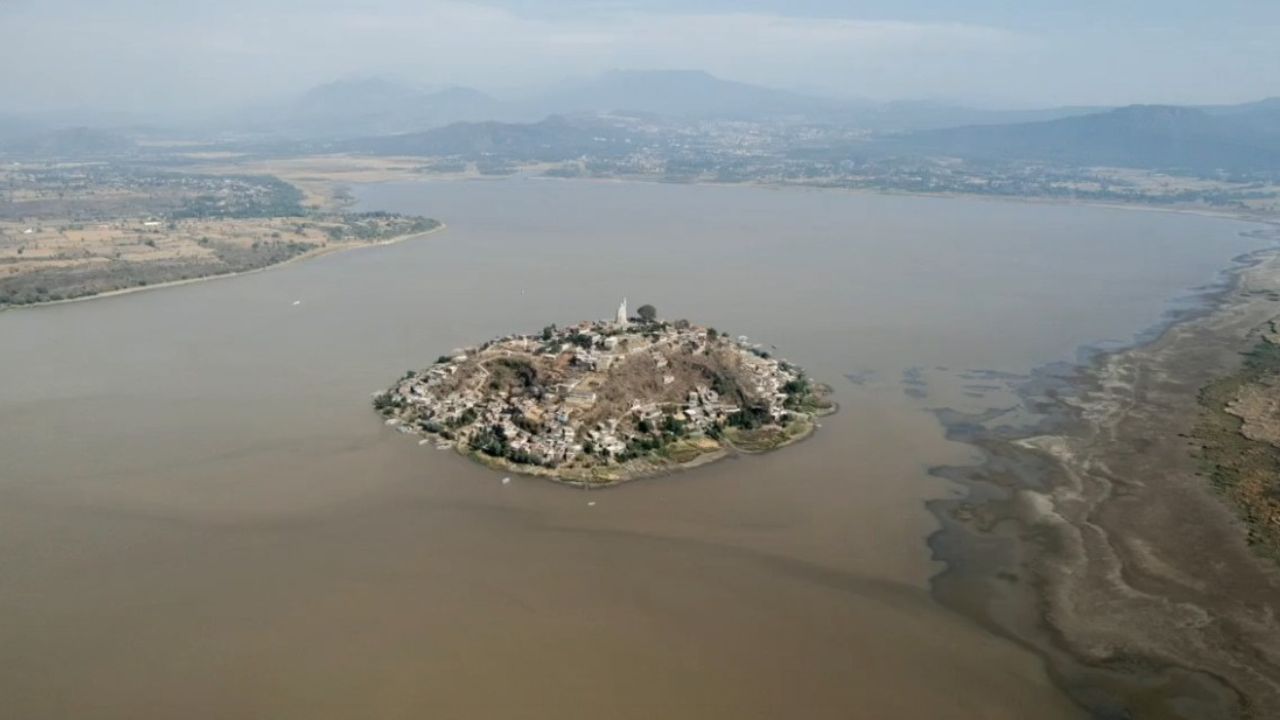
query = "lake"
x=201 y=515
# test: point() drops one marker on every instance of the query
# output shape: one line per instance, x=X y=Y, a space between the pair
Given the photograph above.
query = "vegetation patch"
x=1247 y=471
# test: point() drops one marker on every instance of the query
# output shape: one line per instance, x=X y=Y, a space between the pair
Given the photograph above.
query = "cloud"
x=456 y=42
x=828 y=53
x=136 y=53
x=237 y=48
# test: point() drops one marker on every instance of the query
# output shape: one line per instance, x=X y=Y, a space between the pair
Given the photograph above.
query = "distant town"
x=605 y=401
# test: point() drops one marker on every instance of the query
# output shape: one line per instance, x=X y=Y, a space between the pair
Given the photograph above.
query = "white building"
x=621 y=318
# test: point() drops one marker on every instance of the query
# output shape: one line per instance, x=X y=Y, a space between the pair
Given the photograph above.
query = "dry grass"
x=64 y=244
x=73 y=230
x=65 y=260
x=321 y=177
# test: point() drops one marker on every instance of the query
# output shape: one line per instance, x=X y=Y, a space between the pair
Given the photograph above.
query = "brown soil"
x=1153 y=603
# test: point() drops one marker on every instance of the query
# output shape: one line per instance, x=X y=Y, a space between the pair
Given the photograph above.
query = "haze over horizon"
x=178 y=58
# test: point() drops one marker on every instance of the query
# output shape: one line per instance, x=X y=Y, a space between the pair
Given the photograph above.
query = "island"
x=603 y=402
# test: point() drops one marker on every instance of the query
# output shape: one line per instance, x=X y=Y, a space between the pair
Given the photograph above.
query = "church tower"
x=621 y=318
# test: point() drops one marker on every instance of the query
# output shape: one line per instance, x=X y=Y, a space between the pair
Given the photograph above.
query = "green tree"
x=647 y=313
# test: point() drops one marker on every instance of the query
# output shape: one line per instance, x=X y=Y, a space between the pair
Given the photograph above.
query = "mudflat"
x=1157 y=597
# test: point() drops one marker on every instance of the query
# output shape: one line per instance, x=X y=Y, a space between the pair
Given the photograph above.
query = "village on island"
x=605 y=401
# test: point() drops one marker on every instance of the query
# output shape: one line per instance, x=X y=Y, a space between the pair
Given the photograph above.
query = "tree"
x=798 y=386
x=750 y=418
x=674 y=426
x=647 y=313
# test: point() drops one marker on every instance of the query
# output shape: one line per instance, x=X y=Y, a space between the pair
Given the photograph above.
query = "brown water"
x=201 y=517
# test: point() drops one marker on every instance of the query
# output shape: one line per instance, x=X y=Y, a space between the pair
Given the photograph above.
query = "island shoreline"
x=707 y=458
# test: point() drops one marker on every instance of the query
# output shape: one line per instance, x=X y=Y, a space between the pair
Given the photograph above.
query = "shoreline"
x=1093 y=538
x=1241 y=215
x=309 y=255
x=726 y=449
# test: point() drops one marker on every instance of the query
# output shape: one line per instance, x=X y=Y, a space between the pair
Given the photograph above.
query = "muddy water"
x=200 y=516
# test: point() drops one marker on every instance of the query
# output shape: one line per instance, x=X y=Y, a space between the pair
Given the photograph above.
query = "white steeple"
x=621 y=318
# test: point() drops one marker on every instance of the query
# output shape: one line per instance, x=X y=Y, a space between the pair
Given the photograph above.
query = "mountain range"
x=552 y=139
x=377 y=106
x=1236 y=138
x=373 y=106
x=572 y=119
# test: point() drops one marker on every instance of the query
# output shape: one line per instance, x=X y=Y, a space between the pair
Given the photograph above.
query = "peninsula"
x=602 y=402
x=76 y=230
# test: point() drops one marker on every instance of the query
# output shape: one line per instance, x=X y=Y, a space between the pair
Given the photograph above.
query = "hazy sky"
x=136 y=54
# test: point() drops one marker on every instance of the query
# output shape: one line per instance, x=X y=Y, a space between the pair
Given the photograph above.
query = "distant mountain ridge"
x=682 y=94
x=376 y=106
x=1235 y=138
x=553 y=139
x=676 y=113
x=696 y=94
x=908 y=115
